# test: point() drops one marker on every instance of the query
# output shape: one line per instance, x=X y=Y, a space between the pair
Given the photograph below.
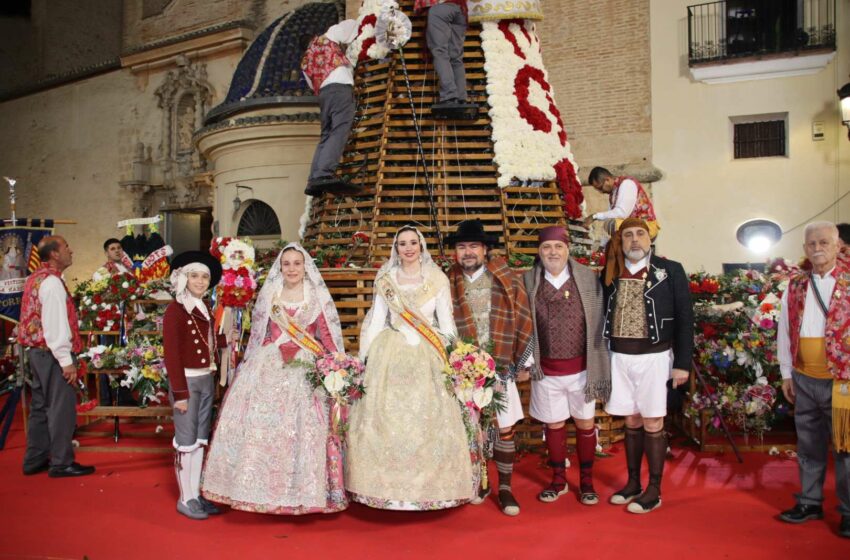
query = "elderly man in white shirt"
x=48 y=329
x=812 y=351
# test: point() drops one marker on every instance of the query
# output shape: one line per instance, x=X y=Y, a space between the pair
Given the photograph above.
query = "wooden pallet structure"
x=382 y=156
x=382 y=159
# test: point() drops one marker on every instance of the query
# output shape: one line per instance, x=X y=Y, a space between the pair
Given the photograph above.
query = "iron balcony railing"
x=741 y=28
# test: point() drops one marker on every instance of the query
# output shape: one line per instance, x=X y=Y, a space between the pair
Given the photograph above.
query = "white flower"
x=125 y=284
x=333 y=382
x=520 y=151
x=761 y=380
x=482 y=396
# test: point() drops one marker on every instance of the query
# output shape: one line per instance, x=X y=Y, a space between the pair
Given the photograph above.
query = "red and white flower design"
x=530 y=141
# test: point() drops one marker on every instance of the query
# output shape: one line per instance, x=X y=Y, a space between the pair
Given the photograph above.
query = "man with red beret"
x=649 y=323
x=571 y=368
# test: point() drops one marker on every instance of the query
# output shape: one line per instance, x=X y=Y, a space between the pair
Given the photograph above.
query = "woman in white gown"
x=273 y=450
x=407 y=443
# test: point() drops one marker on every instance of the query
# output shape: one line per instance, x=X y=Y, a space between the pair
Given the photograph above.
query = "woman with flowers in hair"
x=274 y=450
x=407 y=441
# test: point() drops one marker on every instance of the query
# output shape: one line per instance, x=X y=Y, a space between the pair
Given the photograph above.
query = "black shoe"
x=844 y=528
x=801 y=513
x=209 y=507
x=40 y=468
x=446 y=104
x=74 y=469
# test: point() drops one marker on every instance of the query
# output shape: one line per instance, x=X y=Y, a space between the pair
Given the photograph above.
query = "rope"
x=421 y=150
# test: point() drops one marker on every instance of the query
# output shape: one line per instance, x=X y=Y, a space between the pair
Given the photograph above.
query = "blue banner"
x=18 y=257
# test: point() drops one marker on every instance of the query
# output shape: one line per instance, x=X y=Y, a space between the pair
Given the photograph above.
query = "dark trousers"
x=53 y=413
x=813 y=419
x=336 y=110
x=445 y=35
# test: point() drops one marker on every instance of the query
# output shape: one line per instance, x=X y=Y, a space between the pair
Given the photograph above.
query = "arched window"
x=258 y=219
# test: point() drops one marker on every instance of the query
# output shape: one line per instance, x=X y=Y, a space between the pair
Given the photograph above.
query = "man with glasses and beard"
x=491 y=308
x=649 y=323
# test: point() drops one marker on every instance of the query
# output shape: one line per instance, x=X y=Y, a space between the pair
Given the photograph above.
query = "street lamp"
x=759 y=235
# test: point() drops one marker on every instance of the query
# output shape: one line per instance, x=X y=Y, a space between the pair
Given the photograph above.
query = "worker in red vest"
x=331 y=76
x=627 y=199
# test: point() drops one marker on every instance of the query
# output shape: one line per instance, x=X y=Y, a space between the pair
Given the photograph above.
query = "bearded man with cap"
x=190 y=347
x=649 y=323
x=570 y=370
x=491 y=307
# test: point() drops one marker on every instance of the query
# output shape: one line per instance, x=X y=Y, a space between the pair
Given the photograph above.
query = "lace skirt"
x=407 y=446
x=272 y=449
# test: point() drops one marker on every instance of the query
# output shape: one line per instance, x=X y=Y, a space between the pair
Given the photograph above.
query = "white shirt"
x=634 y=267
x=560 y=279
x=475 y=275
x=54 y=319
x=812 y=325
x=624 y=205
x=339 y=34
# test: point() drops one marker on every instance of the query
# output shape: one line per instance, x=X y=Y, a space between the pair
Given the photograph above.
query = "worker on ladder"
x=445 y=35
x=331 y=76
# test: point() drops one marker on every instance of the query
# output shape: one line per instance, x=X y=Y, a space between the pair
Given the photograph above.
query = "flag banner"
x=18 y=258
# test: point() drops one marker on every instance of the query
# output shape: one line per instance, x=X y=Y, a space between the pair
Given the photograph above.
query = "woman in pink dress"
x=272 y=449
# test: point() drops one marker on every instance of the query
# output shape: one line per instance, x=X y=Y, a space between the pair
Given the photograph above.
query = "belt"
x=638 y=346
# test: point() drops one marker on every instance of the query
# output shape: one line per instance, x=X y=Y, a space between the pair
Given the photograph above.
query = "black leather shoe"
x=74 y=469
x=844 y=528
x=40 y=468
x=801 y=513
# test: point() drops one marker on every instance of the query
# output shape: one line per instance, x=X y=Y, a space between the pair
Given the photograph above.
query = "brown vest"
x=561 y=325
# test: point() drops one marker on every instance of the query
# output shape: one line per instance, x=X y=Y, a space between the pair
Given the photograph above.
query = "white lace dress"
x=407 y=442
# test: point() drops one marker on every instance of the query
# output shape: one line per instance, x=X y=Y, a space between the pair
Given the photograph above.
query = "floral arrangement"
x=520 y=260
x=329 y=256
x=238 y=278
x=365 y=45
x=471 y=377
x=530 y=141
x=593 y=259
x=100 y=299
x=143 y=365
x=145 y=372
x=736 y=318
x=86 y=403
x=340 y=377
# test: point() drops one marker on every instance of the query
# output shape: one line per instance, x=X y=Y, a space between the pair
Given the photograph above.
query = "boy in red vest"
x=49 y=331
x=331 y=76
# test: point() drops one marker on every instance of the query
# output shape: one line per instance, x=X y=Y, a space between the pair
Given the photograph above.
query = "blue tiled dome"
x=270 y=70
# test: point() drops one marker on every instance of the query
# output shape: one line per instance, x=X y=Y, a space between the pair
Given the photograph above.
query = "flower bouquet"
x=238 y=278
x=471 y=377
x=340 y=377
x=145 y=370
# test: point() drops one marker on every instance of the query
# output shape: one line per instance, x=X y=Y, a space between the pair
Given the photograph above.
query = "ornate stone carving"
x=183 y=98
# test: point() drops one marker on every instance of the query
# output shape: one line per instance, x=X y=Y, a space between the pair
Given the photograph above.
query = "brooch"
x=566 y=294
x=660 y=274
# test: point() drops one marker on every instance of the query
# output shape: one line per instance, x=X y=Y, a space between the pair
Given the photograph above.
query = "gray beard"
x=636 y=255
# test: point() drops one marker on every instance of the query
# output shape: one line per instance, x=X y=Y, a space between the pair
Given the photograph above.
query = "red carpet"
x=713 y=508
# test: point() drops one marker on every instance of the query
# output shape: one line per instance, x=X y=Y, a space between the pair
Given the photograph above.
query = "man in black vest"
x=649 y=323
